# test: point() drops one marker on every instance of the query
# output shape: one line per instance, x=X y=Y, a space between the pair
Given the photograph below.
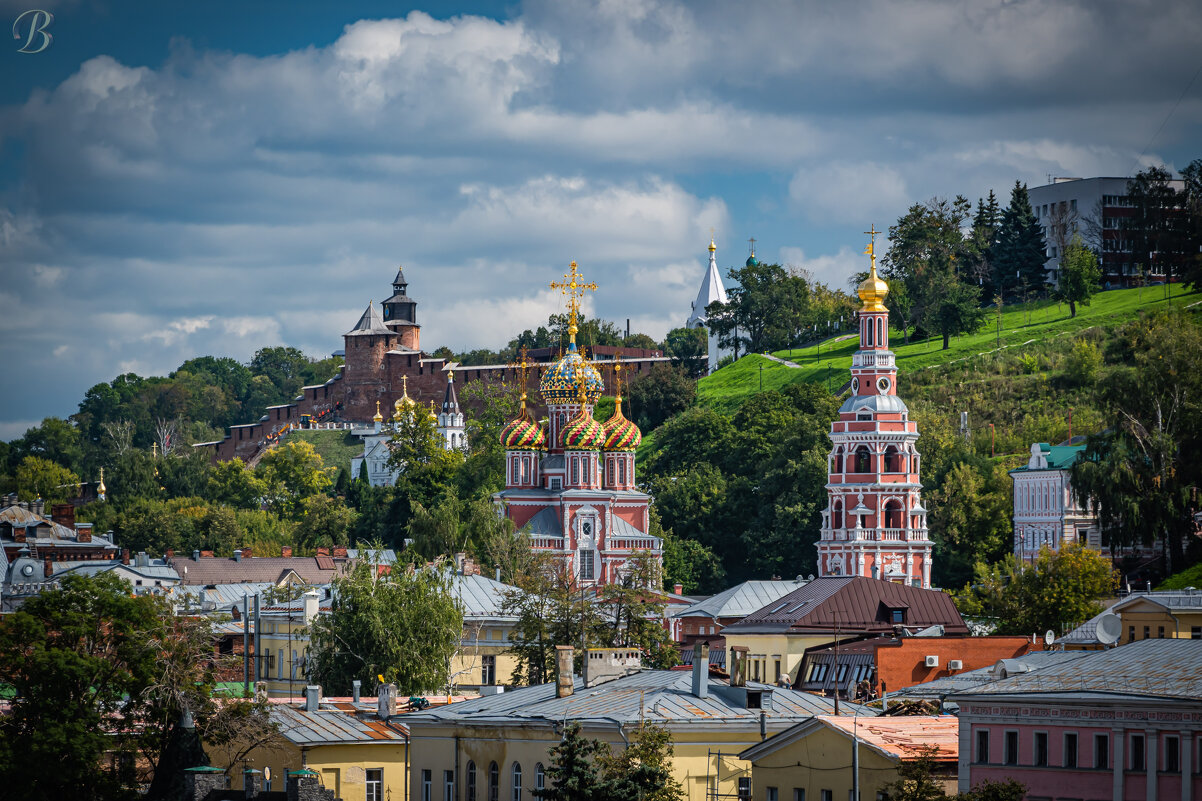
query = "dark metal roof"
x=854 y=604
x=334 y=726
x=265 y=569
x=369 y=323
x=741 y=599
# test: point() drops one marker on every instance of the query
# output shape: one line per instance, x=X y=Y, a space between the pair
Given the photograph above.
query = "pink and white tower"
x=875 y=525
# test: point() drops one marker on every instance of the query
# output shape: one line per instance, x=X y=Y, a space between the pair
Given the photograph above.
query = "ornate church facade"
x=874 y=525
x=570 y=480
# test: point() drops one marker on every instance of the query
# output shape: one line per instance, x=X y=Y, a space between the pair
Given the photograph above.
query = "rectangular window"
x=427 y=786
x=1010 y=757
x=621 y=471
x=773 y=794
x=375 y=784
x=586 y=565
x=1070 y=749
x=745 y=788
x=1101 y=751
x=1172 y=754
x=1195 y=632
x=1160 y=632
x=1137 y=753
x=897 y=616
x=799 y=794
x=556 y=483
x=279 y=665
x=575 y=470
x=983 y=746
x=488 y=670
x=828 y=795
x=1131 y=634
x=1041 y=748
x=776 y=662
x=1147 y=632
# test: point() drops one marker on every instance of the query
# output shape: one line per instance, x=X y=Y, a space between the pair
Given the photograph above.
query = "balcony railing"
x=873 y=358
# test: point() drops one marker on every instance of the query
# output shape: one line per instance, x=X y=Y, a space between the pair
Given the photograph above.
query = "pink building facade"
x=1089 y=734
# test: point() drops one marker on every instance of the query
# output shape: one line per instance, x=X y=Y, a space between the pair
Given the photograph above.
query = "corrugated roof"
x=659 y=696
x=222 y=596
x=949 y=685
x=741 y=600
x=482 y=597
x=334 y=726
x=1177 y=600
x=1169 y=668
x=903 y=737
x=265 y=569
x=854 y=604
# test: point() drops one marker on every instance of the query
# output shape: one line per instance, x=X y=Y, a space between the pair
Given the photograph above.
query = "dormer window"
x=864 y=416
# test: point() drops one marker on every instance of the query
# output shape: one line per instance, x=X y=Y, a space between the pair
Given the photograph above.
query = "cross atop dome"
x=872 y=290
x=573 y=288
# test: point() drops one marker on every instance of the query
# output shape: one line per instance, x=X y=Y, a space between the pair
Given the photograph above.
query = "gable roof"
x=1172 y=600
x=740 y=600
x=901 y=738
x=853 y=604
x=261 y=569
x=1168 y=669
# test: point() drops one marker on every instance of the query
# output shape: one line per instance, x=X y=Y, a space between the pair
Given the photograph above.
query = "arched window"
x=893 y=460
x=622 y=471
x=540 y=777
x=837 y=515
x=893 y=515
x=494 y=782
x=837 y=460
x=471 y=781
x=880 y=332
x=575 y=469
x=863 y=460
x=870 y=339
x=517 y=782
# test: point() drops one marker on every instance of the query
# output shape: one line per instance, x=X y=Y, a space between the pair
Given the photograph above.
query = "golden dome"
x=378 y=418
x=872 y=291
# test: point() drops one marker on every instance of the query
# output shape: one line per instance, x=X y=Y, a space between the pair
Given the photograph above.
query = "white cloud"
x=842 y=192
x=833 y=269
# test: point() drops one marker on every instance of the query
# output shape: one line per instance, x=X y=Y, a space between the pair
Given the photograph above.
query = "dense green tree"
x=1155 y=229
x=692 y=565
x=453 y=525
x=1059 y=591
x=403 y=624
x=986 y=224
x=1080 y=276
x=1191 y=203
x=323 y=522
x=291 y=472
x=643 y=769
x=231 y=483
x=969 y=520
x=54 y=439
x=185 y=472
x=1021 y=251
x=765 y=309
x=916 y=778
x=664 y=392
x=633 y=611
x=42 y=478
x=689 y=348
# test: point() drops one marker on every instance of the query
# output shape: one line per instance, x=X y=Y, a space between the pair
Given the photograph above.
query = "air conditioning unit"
x=955 y=664
x=932 y=661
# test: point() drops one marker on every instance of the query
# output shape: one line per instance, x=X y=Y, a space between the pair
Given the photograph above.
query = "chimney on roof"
x=323 y=551
x=195 y=556
x=312 y=599
x=286 y=551
x=63 y=514
x=356 y=686
x=678 y=588
x=312 y=697
x=563 y=671
x=83 y=532
x=738 y=666
x=142 y=560
x=169 y=553
x=386 y=701
x=238 y=556
x=48 y=567
x=339 y=552
x=701 y=669
x=39 y=506
x=247 y=552
x=602 y=664
x=498 y=575
x=125 y=556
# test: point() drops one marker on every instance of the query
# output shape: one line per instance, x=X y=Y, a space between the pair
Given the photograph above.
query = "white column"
x=1117 y=758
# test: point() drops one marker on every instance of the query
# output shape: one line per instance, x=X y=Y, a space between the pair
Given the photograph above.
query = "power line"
x=1165 y=121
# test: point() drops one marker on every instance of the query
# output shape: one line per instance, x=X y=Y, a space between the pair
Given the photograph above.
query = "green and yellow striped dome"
x=523 y=434
x=621 y=434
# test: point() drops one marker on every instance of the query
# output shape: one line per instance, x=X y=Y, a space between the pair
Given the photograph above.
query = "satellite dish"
x=1109 y=628
x=1049 y=637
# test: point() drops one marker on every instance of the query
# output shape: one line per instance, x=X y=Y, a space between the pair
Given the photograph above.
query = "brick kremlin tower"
x=875 y=525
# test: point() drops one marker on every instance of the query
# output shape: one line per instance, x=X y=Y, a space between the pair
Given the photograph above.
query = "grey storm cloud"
x=219 y=202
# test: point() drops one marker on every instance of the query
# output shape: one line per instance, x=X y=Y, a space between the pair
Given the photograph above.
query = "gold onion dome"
x=872 y=292
x=522 y=433
x=403 y=403
x=377 y=417
x=558 y=384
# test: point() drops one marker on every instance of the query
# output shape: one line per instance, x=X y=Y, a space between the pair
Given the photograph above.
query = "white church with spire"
x=711 y=291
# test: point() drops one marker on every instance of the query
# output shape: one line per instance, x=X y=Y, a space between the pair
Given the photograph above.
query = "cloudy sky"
x=211 y=177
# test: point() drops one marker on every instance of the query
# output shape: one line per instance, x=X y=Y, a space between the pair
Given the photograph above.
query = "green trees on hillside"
x=1080 y=276
x=1021 y=251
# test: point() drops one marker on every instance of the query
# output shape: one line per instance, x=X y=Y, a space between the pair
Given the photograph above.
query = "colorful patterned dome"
x=522 y=433
x=558 y=384
x=583 y=433
x=620 y=433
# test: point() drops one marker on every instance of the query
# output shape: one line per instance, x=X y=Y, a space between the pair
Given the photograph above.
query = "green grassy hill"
x=336 y=448
x=1029 y=326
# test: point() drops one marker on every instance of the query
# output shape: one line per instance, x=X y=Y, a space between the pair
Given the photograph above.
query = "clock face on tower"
x=882 y=384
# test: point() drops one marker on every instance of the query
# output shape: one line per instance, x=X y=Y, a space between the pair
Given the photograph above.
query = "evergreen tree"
x=1021 y=252
x=641 y=771
x=573 y=774
x=985 y=226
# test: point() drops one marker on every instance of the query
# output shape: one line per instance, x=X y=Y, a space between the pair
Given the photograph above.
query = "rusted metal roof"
x=902 y=738
x=262 y=569
x=852 y=604
x=331 y=726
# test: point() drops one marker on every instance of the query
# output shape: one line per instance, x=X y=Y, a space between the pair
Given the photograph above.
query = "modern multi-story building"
x=1098 y=209
x=875 y=524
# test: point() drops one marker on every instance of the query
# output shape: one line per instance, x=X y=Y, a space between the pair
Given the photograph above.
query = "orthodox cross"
x=573 y=287
x=618 y=383
x=871 y=249
x=522 y=365
x=751 y=245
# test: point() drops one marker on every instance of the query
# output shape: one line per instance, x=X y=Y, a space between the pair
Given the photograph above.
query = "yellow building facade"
x=827 y=757
x=1172 y=614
